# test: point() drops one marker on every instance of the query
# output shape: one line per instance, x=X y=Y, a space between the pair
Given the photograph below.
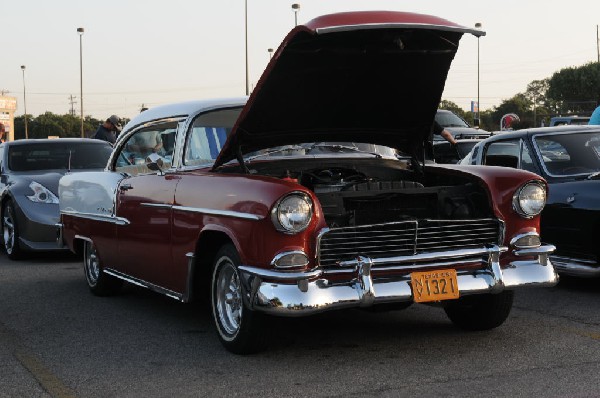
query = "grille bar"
x=405 y=238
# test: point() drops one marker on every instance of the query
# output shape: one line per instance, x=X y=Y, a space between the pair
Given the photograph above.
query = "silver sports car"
x=29 y=174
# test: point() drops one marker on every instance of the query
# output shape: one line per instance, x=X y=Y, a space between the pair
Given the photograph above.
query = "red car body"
x=313 y=195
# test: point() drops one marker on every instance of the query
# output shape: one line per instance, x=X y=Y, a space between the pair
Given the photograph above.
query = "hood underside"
x=374 y=77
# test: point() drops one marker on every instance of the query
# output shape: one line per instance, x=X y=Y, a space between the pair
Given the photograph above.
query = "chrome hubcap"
x=8 y=230
x=228 y=297
x=92 y=264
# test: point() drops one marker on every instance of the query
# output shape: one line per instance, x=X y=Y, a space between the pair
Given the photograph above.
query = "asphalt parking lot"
x=57 y=340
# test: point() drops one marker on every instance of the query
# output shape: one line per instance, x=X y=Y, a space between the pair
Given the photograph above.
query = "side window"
x=503 y=153
x=159 y=139
x=204 y=144
x=207 y=135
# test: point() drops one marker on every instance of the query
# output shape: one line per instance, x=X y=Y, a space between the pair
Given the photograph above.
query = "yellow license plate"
x=434 y=285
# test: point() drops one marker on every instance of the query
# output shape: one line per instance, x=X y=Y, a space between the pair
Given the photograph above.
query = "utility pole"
x=72 y=102
x=597 y=44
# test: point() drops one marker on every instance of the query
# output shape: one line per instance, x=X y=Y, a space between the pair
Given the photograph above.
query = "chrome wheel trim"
x=91 y=264
x=8 y=229
x=228 y=298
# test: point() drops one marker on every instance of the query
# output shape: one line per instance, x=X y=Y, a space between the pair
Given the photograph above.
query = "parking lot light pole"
x=80 y=31
x=24 y=102
x=296 y=8
x=478 y=26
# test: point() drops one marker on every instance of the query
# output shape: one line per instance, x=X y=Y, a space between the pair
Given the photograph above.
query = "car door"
x=145 y=200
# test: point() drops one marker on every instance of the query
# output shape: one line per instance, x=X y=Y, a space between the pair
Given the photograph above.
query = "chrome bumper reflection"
x=305 y=293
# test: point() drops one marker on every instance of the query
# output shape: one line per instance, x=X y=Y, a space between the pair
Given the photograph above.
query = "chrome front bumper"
x=305 y=293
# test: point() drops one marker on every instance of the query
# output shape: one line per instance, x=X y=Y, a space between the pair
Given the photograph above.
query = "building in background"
x=8 y=106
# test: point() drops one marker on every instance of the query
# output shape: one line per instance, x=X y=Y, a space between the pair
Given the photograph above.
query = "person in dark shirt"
x=109 y=129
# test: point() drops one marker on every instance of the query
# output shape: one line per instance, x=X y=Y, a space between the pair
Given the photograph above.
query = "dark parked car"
x=29 y=174
x=568 y=157
x=445 y=152
x=310 y=196
x=457 y=126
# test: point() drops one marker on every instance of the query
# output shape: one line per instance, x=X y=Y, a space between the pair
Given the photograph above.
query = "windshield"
x=63 y=155
x=569 y=154
x=449 y=119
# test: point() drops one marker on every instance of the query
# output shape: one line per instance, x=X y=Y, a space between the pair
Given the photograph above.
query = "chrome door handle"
x=125 y=187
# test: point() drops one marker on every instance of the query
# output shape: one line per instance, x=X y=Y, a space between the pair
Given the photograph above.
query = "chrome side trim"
x=97 y=217
x=226 y=213
x=157 y=205
x=141 y=283
x=392 y=25
x=83 y=238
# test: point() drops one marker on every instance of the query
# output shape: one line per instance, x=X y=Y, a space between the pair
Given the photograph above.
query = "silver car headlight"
x=292 y=213
x=530 y=199
x=41 y=194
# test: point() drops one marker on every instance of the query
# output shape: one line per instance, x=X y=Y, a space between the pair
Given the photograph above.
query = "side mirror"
x=155 y=162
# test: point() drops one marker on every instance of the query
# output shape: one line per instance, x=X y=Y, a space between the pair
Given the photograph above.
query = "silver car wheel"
x=91 y=263
x=8 y=229
x=228 y=297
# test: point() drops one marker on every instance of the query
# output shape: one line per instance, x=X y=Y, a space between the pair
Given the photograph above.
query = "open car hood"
x=374 y=77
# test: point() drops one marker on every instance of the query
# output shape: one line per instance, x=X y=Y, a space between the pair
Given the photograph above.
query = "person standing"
x=595 y=119
x=108 y=130
x=2 y=133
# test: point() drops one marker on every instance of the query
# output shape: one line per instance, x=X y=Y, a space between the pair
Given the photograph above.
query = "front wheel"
x=481 y=312
x=10 y=232
x=241 y=330
x=99 y=283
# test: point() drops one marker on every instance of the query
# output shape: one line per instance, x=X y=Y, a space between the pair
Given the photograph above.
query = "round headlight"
x=292 y=213
x=530 y=199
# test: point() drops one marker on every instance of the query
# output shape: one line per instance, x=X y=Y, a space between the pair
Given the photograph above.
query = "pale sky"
x=154 y=52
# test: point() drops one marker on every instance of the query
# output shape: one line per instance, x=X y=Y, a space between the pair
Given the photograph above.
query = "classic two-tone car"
x=313 y=195
x=568 y=157
x=29 y=174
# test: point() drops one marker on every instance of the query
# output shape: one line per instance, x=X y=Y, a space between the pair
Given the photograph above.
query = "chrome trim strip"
x=97 y=217
x=226 y=213
x=141 y=283
x=157 y=205
x=400 y=25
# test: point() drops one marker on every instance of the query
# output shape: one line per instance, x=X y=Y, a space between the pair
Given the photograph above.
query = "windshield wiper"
x=340 y=148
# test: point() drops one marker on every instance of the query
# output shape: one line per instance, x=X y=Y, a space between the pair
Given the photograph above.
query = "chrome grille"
x=405 y=238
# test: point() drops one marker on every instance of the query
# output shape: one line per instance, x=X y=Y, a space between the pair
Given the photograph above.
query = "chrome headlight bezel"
x=41 y=194
x=280 y=214
x=526 y=193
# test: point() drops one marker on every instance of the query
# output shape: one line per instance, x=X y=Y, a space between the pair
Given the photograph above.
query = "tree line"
x=570 y=91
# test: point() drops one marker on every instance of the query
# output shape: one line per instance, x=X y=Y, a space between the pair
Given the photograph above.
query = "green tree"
x=575 y=90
